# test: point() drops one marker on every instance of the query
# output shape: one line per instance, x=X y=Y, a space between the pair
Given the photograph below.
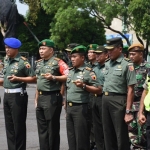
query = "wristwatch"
x=128 y=111
x=84 y=86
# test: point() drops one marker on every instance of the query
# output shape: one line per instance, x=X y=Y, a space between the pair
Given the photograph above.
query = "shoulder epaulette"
x=130 y=64
x=107 y=59
x=70 y=68
x=56 y=58
x=127 y=59
x=23 y=58
x=87 y=68
x=39 y=60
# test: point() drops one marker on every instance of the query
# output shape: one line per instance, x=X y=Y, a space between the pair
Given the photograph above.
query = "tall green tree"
x=40 y=28
x=131 y=12
x=140 y=12
x=72 y=25
x=134 y=13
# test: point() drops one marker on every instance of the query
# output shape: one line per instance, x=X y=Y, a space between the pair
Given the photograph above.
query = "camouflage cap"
x=46 y=42
x=112 y=43
x=79 y=49
x=92 y=47
x=136 y=47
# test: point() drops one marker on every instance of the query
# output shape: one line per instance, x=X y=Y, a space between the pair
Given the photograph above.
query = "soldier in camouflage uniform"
x=136 y=133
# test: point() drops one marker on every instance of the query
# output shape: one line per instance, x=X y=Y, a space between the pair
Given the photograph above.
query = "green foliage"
x=34 y=8
x=140 y=12
x=73 y=23
x=41 y=30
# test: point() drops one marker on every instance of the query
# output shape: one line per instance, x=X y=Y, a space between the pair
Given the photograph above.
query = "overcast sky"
x=22 y=8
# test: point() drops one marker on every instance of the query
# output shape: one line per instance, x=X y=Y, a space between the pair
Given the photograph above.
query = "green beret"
x=112 y=43
x=125 y=49
x=46 y=42
x=92 y=47
x=79 y=49
x=100 y=49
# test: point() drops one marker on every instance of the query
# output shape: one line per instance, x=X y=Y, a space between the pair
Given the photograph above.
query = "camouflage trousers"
x=137 y=133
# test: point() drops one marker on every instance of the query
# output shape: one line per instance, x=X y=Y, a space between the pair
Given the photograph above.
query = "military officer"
x=101 y=57
x=17 y=72
x=118 y=96
x=51 y=72
x=92 y=64
x=92 y=56
x=80 y=82
x=136 y=52
x=68 y=50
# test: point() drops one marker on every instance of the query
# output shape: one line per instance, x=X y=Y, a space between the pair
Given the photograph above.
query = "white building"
x=117 y=25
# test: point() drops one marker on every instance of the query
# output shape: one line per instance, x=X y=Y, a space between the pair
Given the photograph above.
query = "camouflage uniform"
x=136 y=133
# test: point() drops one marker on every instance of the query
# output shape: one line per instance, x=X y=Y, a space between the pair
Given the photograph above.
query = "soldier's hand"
x=128 y=118
x=78 y=83
x=141 y=119
x=35 y=103
x=12 y=78
x=48 y=76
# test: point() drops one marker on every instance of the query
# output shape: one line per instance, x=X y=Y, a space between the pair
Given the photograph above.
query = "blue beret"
x=12 y=42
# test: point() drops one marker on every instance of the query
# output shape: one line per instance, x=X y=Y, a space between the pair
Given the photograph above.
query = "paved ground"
x=32 y=135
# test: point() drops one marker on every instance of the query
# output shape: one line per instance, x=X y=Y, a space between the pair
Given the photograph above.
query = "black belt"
x=75 y=104
x=114 y=94
x=48 y=92
x=98 y=95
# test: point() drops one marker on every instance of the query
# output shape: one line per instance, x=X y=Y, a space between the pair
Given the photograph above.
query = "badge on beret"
x=91 y=46
x=43 y=43
x=77 y=49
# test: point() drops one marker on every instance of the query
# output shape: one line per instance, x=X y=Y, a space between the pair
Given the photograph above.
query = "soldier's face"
x=45 y=52
x=69 y=54
x=91 y=55
x=136 y=57
x=77 y=60
x=101 y=57
x=115 y=53
x=11 y=52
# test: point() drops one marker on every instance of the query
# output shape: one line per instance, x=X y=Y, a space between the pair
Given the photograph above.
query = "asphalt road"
x=32 y=134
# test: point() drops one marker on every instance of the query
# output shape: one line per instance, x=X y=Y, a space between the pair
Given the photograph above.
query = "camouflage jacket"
x=141 y=74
